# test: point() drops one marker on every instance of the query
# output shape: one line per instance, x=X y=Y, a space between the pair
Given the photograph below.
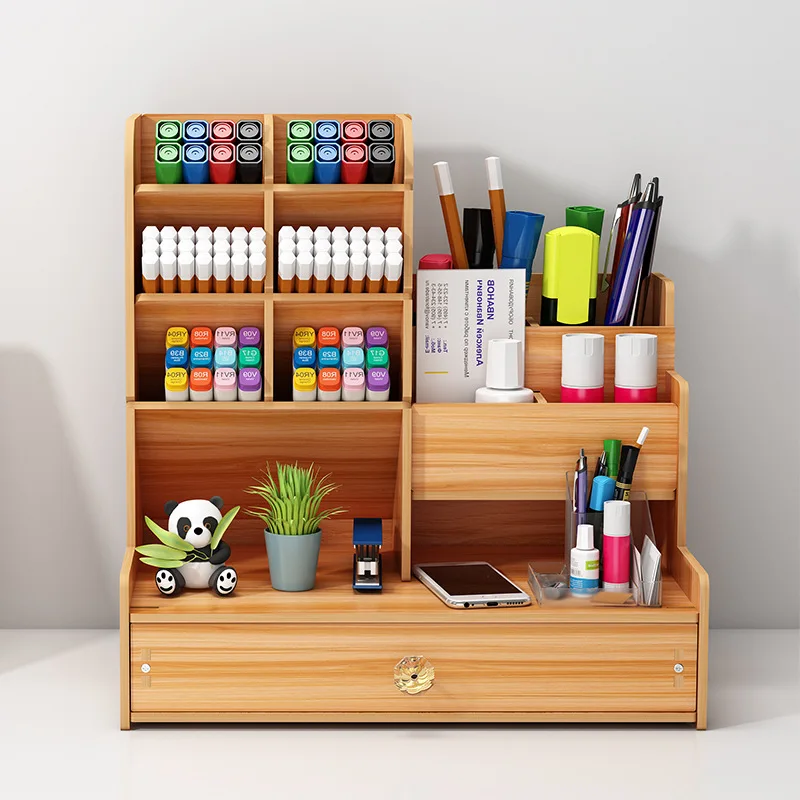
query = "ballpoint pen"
x=640 y=301
x=619 y=228
x=601 y=469
x=581 y=489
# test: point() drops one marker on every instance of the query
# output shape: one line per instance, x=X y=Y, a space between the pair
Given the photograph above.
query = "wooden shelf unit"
x=479 y=482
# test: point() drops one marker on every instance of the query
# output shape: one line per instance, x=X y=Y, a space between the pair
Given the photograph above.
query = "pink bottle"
x=582 y=368
x=616 y=545
x=636 y=371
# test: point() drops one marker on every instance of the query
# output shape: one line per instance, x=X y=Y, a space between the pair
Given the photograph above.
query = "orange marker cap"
x=201 y=379
x=201 y=337
x=328 y=337
x=329 y=379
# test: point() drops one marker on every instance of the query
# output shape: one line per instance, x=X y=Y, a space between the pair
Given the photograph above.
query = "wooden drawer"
x=479 y=668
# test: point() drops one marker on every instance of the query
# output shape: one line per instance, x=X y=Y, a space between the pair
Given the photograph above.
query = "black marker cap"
x=479 y=238
x=380 y=130
x=381 y=163
x=249 y=162
x=249 y=130
x=627 y=464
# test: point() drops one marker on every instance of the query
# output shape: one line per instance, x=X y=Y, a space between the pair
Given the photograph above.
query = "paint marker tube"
x=222 y=162
x=176 y=357
x=378 y=384
x=287 y=232
x=177 y=336
x=377 y=357
x=340 y=232
x=582 y=367
x=249 y=336
x=358 y=233
x=340 y=267
x=343 y=246
x=249 y=130
x=249 y=385
x=352 y=337
x=225 y=385
x=353 y=358
x=374 y=248
x=201 y=385
x=287 y=269
x=186 y=272
x=201 y=336
x=376 y=264
x=393 y=273
x=221 y=234
x=328 y=357
x=616 y=545
x=225 y=358
x=176 y=385
x=169 y=273
x=169 y=167
x=376 y=337
x=329 y=385
x=327 y=163
x=355 y=162
x=239 y=272
x=195 y=163
x=327 y=130
x=380 y=164
x=222 y=272
x=380 y=130
x=304 y=357
x=225 y=336
x=354 y=130
x=256 y=272
x=305 y=271
x=203 y=246
x=203 y=269
x=360 y=246
x=357 y=273
x=627 y=465
x=168 y=234
x=168 y=130
x=304 y=385
x=151 y=232
x=305 y=232
x=151 y=246
x=185 y=233
x=195 y=130
x=257 y=234
x=321 y=248
x=328 y=336
x=636 y=372
x=203 y=232
x=354 y=385
x=249 y=357
x=304 y=337
x=249 y=163
x=151 y=266
x=300 y=163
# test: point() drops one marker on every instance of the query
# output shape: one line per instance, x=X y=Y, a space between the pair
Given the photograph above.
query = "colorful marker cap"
x=305 y=380
x=177 y=336
x=249 y=130
x=249 y=162
x=353 y=337
x=201 y=336
x=520 y=239
x=249 y=336
x=299 y=130
x=354 y=130
x=195 y=163
x=195 y=130
x=436 y=261
x=602 y=490
x=353 y=357
x=249 y=357
x=353 y=378
x=328 y=336
x=201 y=380
x=304 y=357
x=377 y=337
x=176 y=380
x=613 y=449
x=249 y=379
x=327 y=162
x=201 y=357
x=304 y=337
x=327 y=130
x=176 y=357
x=589 y=217
x=354 y=162
x=329 y=357
x=300 y=162
x=380 y=130
x=224 y=357
x=225 y=379
x=377 y=357
x=169 y=167
x=222 y=158
x=225 y=336
x=168 y=130
x=329 y=379
x=378 y=379
x=223 y=130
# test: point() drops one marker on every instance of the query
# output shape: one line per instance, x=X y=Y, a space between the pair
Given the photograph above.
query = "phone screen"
x=470 y=579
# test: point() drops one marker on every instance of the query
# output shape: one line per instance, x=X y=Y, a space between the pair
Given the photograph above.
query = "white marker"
x=322 y=234
x=393 y=246
x=239 y=272
x=222 y=247
x=304 y=246
x=340 y=266
x=256 y=235
x=287 y=269
x=169 y=273
x=186 y=232
x=340 y=232
x=357 y=273
x=239 y=246
x=358 y=246
x=257 y=272
x=375 y=234
x=239 y=233
x=151 y=232
x=257 y=248
x=287 y=246
x=393 y=273
x=393 y=235
x=185 y=246
x=287 y=232
x=221 y=234
x=375 y=247
x=186 y=272
x=222 y=272
x=305 y=270
x=305 y=232
x=322 y=272
x=375 y=267
x=203 y=246
x=203 y=232
x=203 y=270
x=321 y=247
x=340 y=246
x=150 y=271
x=358 y=233
x=169 y=233
x=151 y=246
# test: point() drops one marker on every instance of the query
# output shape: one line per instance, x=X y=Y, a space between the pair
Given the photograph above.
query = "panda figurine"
x=195 y=521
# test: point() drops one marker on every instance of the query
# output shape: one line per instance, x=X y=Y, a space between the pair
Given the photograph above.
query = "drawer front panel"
x=500 y=668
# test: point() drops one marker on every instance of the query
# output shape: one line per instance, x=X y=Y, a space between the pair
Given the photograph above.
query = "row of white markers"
x=339 y=260
x=202 y=260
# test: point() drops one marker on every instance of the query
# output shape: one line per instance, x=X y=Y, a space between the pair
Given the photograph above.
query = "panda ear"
x=217 y=501
x=170 y=506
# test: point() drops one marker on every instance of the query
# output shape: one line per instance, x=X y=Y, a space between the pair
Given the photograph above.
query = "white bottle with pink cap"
x=582 y=368
x=636 y=371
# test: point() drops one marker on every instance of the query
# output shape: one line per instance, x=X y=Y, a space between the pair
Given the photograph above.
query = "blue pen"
x=200 y=357
x=329 y=357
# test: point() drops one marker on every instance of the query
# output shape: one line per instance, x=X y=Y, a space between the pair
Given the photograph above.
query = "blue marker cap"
x=304 y=357
x=195 y=130
x=225 y=357
x=176 y=357
x=195 y=163
x=352 y=357
x=520 y=240
x=200 y=357
x=327 y=130
x=329 y=357
x=602 y=490
x=327 y=163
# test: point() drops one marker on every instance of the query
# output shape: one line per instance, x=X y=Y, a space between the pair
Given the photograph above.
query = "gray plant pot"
x=293 y=561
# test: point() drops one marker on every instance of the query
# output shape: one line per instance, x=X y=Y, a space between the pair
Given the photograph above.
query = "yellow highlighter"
x=569 y=280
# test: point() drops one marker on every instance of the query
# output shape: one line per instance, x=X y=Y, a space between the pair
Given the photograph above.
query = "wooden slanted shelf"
x=479 y=482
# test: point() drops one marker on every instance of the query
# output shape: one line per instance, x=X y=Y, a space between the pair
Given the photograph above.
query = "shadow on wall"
x=52 y=563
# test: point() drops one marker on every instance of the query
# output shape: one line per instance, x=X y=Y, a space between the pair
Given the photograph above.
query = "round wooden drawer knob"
x=413 y=674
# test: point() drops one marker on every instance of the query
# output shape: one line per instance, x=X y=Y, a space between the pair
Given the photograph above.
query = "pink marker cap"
x=353 y=378
x=225 y=378
x=353 y=337
x=225 y=337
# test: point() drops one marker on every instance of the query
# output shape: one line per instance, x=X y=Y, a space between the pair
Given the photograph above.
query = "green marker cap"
x=169 y=168
x=299 y=130
x=168 y=130
x=300 y=162
x=377 y=357
x=587 y=217
x=249 y=357
x=613 y=448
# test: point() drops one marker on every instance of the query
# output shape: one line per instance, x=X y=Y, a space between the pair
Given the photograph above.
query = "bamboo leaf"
x=223 y=526
x=168 y=538
x=161 y=551
x=161 y=563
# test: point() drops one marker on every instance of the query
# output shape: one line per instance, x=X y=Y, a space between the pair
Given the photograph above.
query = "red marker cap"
x=354 y=162
x=436 y=261
x=222 y=162
x=354 y=130
x=223 y=130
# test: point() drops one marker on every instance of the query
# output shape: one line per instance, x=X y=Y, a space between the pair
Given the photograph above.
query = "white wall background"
x=574 y=96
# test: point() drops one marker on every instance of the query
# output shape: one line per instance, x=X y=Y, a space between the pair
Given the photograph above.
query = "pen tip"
x=636 y=186
x=643 y=436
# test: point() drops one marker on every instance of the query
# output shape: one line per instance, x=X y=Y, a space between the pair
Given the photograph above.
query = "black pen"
x=601 y=468
x=619 y=229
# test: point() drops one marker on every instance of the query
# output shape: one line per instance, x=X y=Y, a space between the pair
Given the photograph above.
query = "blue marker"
x=195 y=163
x=329 y=357
x=327 y=163
x=352 y=358
x=200 y=357
x=176 y=357
x=225 y=357
x=304 y=357
x=520 y=240
x=327 y=130
x=195 y=130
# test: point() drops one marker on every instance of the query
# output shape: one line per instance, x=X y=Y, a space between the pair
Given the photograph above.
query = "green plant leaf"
x=168 y=538
x=223 y=526
x=161 y=563
x=161 y=551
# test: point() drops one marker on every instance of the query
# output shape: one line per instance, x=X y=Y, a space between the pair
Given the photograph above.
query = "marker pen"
x=177 y=336
x=186 y=272
x=167 y=247
x=249 y=130
x=355 y=162
x=299 y=130
x=249 y=336
x=287 y=269
x=329 y=357
x=380 y=163
x=176 y=385
x=186 y=246
x=287 y=246
x=602 y=491
x=256 y=272
x=169 y=272
x=305 y=232
x=342 y=246
x=151 y=246
x=256 y=234
x=203 y=267
x=376 y=264
x=358 y=233
x=393 y=246
x=357 y=273
x=169 y=168
x=304 y=357
x=328 y=336
x=327 y=163
x=329 y=385
x=436 y=261
x=201 y=336
x=393 y=273
x=249 y=163
x=225 y=357
x=582 y=368
x=354 y=130
x=225 y=385
x=304 y=385
x=375 y=234
x=627 y=465
x=521 y=234
x=195 y=163
x=221 y=247
x=151 y=267
x=352 y=337
x=258 y=248
x=380 y=130
x=176 y=357
x=304 y=337
x=304 y=246
x=354 y=385
x=195 y=130
x=377 y=357
x=300 y=162
x=204 y=246
x=249 y=385
x=201 y=356
x=376 y=337
x=203 y=232
x=287 y=232
x=613 y=449
x=340 y=267
x=322 y=248
x=221 y=234
x=588 y=217
x=373 y=248
x=479 y=237
x=636 y=372
x=358 y=247
x=327 y=130
x=225 y=336
x=222 y=162
x=222 y=130
x=201 y=385
x=305 y=271
x=168 y=130
x=239 y=272
x=378 y=385
x=151 y=232
x=353 y=358
x=569 y=280
x=249 y=357
x=168 y=234
x=340 y=232
x=616 y=545
x=185 y=232
x=222 y=272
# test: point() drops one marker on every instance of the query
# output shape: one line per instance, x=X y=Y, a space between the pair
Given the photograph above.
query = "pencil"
x=452 y=223
x=497 y=202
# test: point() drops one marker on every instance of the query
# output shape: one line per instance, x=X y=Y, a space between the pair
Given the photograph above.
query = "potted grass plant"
x=292 y=514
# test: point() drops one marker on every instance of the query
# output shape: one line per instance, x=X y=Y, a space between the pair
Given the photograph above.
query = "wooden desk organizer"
x=478 y=482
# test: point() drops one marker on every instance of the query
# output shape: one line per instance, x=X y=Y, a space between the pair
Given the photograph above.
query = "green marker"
x=377 y=357
x=299 y=130
x=168 y=130
x=587 y=217
x=300 y=163
x=169 y=168
x=613 y=448
x=249 y=357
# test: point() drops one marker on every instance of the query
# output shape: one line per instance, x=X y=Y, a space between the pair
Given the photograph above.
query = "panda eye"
x=186 y=529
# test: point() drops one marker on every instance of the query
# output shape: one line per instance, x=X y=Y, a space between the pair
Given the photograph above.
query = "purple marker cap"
x=377 y=337
x=249 y=337
x=250 y=379
x=378 y=379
